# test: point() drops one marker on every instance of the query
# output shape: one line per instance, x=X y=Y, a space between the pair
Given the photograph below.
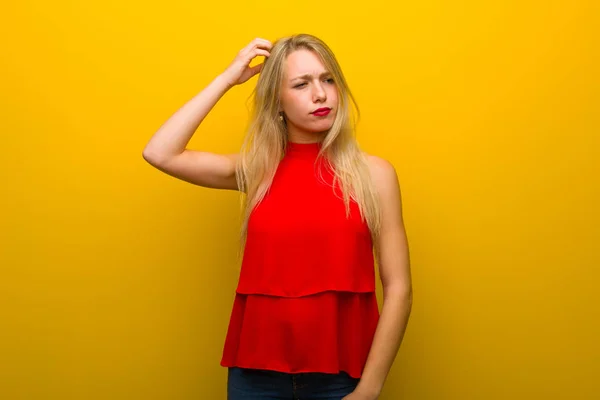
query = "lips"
x=321 y=111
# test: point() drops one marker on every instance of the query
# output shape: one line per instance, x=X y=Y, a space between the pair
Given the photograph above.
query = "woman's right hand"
x=238 y=71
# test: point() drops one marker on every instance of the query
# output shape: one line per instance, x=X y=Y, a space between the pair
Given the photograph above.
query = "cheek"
x=333 y=95
x=293 y=104
x=288 y=99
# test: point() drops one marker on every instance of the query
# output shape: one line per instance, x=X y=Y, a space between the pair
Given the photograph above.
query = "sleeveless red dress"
x=305 y=299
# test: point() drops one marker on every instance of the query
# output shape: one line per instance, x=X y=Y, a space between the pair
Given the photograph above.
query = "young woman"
x=318 y=211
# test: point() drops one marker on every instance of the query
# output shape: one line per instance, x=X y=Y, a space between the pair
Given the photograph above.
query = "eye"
x=330 y=80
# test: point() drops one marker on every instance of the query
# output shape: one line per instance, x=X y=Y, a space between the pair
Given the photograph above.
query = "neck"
x=305 y=137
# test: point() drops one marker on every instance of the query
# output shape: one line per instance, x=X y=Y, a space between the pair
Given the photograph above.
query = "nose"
x=319 y=93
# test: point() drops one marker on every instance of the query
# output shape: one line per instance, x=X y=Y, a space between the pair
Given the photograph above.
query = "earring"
x=281 y=117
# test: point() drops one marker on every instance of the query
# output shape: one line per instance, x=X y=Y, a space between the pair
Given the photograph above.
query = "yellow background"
x=117 y=280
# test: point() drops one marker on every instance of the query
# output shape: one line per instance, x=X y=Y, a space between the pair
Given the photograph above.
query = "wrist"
x=369 y=392
x=225 y=81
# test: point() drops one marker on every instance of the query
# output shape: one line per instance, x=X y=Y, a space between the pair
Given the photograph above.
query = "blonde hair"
x=266 y=138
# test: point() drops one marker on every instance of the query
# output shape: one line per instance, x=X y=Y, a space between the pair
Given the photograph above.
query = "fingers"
x=253 y=52
x=257 y=43
x=256 y=69
x=259 y=52
x=264 y=43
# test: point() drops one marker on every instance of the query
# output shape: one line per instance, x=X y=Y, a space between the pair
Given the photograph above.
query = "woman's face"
x=307 y=87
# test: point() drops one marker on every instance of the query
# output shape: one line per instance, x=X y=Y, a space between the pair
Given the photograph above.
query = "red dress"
x=305 y=300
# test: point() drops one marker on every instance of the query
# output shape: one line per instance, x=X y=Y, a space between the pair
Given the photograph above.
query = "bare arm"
x=167 y=150
x=394 y=267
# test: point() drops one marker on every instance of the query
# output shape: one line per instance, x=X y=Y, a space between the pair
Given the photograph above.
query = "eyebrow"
x=308 y=76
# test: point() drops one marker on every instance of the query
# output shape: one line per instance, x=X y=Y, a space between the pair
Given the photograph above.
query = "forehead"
x=303 y=62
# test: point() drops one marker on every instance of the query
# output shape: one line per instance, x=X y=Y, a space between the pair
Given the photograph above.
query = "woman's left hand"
x=359 y=396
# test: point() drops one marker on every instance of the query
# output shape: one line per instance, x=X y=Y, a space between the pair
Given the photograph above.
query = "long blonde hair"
x=266 y=138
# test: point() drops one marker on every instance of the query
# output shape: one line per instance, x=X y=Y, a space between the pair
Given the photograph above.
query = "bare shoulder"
x=383 y=174
x=387 y=186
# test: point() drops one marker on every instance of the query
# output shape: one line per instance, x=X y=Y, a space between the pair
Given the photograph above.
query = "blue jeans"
x=256 y=384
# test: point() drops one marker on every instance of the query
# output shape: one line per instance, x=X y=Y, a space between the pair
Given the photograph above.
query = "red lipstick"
x=320 y=112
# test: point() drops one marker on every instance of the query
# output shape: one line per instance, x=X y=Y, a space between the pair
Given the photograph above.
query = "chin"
x=320 y=126
x=315 y=126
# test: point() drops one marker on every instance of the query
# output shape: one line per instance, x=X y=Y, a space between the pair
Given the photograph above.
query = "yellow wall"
x=117 y=280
